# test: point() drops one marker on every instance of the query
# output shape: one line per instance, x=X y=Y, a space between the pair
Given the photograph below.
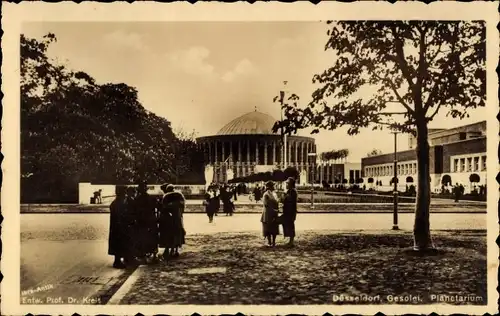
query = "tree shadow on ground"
x=320 y=266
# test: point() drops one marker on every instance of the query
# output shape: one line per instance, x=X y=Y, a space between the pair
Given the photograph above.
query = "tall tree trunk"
x=421 y=228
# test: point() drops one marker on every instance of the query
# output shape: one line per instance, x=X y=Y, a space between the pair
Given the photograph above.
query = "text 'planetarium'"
x=248 y=145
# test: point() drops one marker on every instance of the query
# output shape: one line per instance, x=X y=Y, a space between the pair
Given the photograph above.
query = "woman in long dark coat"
x=226 y=195
x=269 y=218
x=147 y=228
x=131 y=215
x=172 y=239
x=289 y=210
x=210 y=204
x=164 y=224
x=118 y=242
x=257 y=193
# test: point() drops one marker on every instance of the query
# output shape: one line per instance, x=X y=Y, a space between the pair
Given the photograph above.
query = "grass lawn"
x=320 y=266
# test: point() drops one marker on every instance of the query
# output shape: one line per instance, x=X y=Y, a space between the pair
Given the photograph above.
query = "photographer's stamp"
x=265 y=159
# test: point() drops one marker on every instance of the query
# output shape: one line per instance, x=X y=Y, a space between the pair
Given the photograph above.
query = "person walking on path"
x=210 y=204
x=458 y=191
x=289 y=211
x=118 y=241
x=269 y=218
x=174 y=204
x=217 y=197
x=257 y=193
x=147 y=226
x=234 y=192
x=226 y=196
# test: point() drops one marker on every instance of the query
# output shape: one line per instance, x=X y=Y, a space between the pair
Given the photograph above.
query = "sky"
x=201 y=75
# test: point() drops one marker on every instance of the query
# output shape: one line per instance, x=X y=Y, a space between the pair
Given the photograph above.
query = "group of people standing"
x=140 y=224
x=270 y=215
x=270 y=218
x=217 y=195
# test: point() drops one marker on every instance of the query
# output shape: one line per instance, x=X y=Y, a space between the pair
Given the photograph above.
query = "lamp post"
x=321 y=170
x=395 y=180
x=284 y=142
x=312 y=177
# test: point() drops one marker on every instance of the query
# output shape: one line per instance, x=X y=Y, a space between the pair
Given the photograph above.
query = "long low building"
x=455 y=154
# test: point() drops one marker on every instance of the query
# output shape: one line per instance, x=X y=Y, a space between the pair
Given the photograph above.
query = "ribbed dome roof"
x=250 y=123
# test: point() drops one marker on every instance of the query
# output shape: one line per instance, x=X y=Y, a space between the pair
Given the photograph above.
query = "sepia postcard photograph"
x=263 y=158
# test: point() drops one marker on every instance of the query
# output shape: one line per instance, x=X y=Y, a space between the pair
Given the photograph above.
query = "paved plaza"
x=67 y=253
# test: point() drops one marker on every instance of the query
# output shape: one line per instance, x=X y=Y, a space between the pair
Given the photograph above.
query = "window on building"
x=483 y=163
x=462 y=165
x=399 y=169
x=455 y=165
x=476 y=163
x=462 y=135
x=469 y=164
x=414 y=168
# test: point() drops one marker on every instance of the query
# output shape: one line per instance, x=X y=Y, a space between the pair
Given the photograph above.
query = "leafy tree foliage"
x=74 y=129
x=374 y=152
x=334 y=155
x=423 y=67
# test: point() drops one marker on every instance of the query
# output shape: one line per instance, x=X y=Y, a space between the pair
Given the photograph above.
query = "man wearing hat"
x=119 y=240
x=289 y=210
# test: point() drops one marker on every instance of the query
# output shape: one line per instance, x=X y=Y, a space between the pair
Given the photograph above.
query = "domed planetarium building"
x=247 y=145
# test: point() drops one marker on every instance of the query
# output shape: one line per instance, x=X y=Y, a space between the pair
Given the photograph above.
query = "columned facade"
x=248 y=142
x=252 y=151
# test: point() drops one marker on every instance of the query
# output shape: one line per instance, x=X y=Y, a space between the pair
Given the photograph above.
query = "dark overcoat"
x=119 y=224
x=146 y=225
x=172 y=233
x=257 y=194
x=210 y=204
x=289 y=213
x=226 y=201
